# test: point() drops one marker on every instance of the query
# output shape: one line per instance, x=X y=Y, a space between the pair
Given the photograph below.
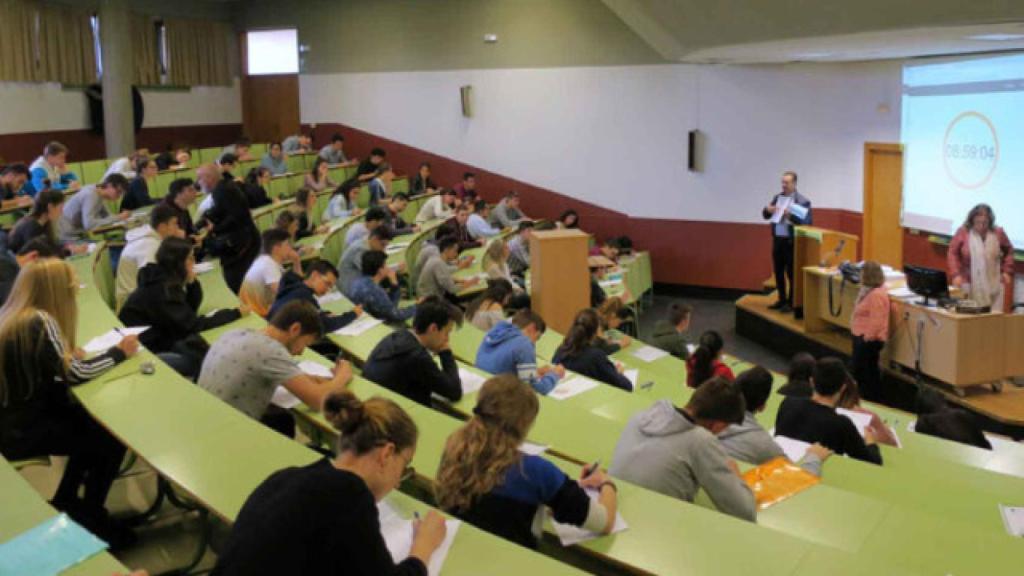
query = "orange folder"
x=776 y=480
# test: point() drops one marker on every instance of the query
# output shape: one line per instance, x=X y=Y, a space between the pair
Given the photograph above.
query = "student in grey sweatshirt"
x=674 y=450
x=748 y=441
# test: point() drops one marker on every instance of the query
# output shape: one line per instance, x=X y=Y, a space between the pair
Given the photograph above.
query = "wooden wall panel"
x=270 y=106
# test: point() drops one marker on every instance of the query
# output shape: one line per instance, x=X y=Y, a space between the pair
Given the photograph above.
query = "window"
x=272 y=52
x=94 y=24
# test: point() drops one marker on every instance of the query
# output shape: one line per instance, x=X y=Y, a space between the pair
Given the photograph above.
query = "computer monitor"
x=927 y=282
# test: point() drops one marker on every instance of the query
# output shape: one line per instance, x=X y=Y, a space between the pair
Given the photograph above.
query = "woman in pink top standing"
x=980 y=258
x=870 y=328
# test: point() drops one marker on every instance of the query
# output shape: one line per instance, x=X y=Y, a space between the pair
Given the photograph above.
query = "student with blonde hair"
x=322 y=518
x=870 y=328
x=486 y=480
x=39 y=362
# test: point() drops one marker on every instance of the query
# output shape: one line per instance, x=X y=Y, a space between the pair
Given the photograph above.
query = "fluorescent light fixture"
x=812 y=55
x=996 y=37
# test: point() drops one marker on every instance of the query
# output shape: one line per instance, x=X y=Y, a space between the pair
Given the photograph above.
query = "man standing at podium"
x=787 y=209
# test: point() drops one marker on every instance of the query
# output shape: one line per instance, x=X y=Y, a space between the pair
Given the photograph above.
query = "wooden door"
x=883 y=197
x=270 y=104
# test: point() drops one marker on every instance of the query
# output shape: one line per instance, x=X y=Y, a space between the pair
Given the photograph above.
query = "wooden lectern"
x=818 y=247
x=559 y=278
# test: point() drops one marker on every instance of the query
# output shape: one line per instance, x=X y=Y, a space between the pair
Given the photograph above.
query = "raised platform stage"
x=1003 y=411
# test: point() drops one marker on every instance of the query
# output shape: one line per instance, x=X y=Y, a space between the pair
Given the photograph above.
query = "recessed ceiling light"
x=812 y=55
x=995 y=37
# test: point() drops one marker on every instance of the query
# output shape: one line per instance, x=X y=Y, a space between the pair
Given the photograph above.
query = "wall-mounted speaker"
x=466 y=94
x=695 y=156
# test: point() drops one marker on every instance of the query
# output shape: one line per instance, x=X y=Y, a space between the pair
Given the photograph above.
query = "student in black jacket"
x=815 y=419
x=320 y=278
x=167 y=299
x=581 y=353
x=138 y=190
x=235 y=238
x=402 y=362
x=255 y=187
x=323 y=518
x=41 y=222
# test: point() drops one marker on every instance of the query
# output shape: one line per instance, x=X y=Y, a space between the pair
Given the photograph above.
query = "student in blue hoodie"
x=367 y=291
x=509 y=347
x=320 y=277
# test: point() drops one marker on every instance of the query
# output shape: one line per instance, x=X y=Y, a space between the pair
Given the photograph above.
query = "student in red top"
x=704 y=364
x=870 y=329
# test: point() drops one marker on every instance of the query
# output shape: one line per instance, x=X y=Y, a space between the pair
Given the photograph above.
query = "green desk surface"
x=24 y=509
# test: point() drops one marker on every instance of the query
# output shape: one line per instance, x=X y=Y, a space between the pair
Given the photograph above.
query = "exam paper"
x=105 y=342
x=649 y=353
x=794 y=449
x=332 y=296
x=398 y=535
x=360 y=325
x=633 y=375
x=203 y=267
x=315 y=369
x=780 y=208
x=471 y=381
x=901 y=293
x=860 y=420
x=532 y=449
x=571 y=387
x=284 y=399
x=1013 y=519
x=570 y=535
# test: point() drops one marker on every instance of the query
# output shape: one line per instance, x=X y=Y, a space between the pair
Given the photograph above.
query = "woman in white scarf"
x=981 y=258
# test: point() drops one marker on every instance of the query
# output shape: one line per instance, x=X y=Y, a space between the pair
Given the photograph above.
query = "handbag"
x=850 y=272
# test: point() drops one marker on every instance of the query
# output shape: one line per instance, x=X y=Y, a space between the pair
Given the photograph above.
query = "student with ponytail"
x=322 y=518
x=704 y=364
x=581 y=353
x=486 y=480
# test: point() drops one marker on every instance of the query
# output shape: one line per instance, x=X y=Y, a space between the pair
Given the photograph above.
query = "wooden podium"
x=814 y=246
x=559 y=277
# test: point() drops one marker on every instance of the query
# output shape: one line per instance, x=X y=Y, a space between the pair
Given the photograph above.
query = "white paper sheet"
x=284 y=399
x=1013 y=519
x=315 y=369
x=570 y=535
x=780 y=208
x=398 y=535
x=359 y=326
x=896 y=436
x=633 y=375
x=860 y=420
x=901 y=293
x=91 y=247
x=571 y=387
x=532 y=449
x=691 y=348
x=203 y=267
x=471 y=381
x=794 y=449
x=332 y=296
x=649 y=353
x=104 y=342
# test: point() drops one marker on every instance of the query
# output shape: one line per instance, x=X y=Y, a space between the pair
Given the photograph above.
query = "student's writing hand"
x=323 y=228
x=342 y=372
x=428 y=534
x=244 y=309
x=471 y=281
x=869 y=436
x=625 y=341
x=78 y=354
x=592 y=479
x=129 y=345
x=358 y=309
x=401 y=267
x=619 y=367
x=820 y=451
x=125 y=214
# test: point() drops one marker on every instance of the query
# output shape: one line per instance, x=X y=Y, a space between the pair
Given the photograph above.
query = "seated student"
x=580 y=353
x=705 y=362
x=366 y=291
x=935 y=417
x=297 y=143
x=850 y=400
x=240 y=150
x=437 y=207
x=801 y=370
x=350 y=266
x=12 y=179
x=815 y=419
x=488 y=309
x=402 y=360
x=519 y=249
x=669 y=332
x=477 y=222
x=380 y=185
x=466 y=186
x=227 y=165
x=180 y=195
x=371 y=167
x=343 y=202
x=275 y=160
x=289 y=222
x=87 y=209
x=173 y=160
x=322 y=518
x=675 y=451
x=305 y=202
x=609 y=249
x=167 y=300
x=259 y=288
x=485 y=479
x=41 y=222
x=138 y=189
x=510 y=348
x=599 y=267
x=255 y=187
x=393 y=215
x=423 y=184
x=506 y=213
x=245 y=366
x=38 y=415
x=374 y=217
x=142 y=248
x=127 y=166
x=748 y=441
x=569 y=219
x=495 y=264
x=456 y=228
x=435 y=278
x=612 y=315
x=50 y=171
x=334 y=153
x=11 y=263
x=318 y=179
x=320 y=278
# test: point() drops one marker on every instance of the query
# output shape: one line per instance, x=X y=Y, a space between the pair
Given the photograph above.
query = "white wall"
x=43 y=107
x=616 y=136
